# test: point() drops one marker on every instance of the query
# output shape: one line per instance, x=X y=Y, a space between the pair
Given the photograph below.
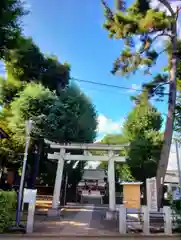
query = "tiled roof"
x=99 y=174
x=94 y=174
x=172 y=176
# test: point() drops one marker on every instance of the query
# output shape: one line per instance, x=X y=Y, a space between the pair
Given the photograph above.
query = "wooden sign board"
x=131 y=195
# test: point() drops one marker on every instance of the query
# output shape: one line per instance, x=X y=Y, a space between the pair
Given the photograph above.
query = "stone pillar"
x=122 y=219
x=54 y=211
x=111 y=214
x=168 y=220
x=29 y=196
x=146 y=220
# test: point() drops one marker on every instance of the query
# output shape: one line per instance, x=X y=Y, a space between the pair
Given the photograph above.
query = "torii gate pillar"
x=111 y=213
x=54 y=211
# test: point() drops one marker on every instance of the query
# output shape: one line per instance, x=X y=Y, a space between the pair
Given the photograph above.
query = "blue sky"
x=73 y=31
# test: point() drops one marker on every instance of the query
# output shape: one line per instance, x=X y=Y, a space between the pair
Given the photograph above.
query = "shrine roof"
x=172 y=176
x=94 y=174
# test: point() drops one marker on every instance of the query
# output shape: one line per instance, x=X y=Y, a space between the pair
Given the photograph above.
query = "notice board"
x=131 y=196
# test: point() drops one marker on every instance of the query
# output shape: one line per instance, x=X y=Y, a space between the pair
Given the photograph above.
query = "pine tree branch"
x=162 y=34
x=109 y=13
x=120 y=5
x=160 y=85
x=168 y=6
x=162 y=51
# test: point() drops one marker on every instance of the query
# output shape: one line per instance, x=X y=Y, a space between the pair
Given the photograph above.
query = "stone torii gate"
x=111 y=155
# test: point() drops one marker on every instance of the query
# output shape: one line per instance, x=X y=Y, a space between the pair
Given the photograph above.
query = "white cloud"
x=107 y=125
x=134 y=87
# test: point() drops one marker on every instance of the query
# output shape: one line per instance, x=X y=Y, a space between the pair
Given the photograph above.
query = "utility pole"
x=28 y=128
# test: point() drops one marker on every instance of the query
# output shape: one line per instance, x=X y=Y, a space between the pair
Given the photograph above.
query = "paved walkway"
x=87 y=219
x=83 y=220
x=80 y=222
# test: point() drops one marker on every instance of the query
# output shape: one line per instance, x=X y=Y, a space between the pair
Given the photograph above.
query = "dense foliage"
x=11 y=12
x=69 y=117
x=142 y=130
x=122 y=170
x=27 y=63
x=138 y=22
x=7 y=209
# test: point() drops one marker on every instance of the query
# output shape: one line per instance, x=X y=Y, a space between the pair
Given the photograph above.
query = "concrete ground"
x=85 y=219
x=78 y=220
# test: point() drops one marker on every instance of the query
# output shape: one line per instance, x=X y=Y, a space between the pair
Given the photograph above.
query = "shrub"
x=176 y=210
x=7 y=209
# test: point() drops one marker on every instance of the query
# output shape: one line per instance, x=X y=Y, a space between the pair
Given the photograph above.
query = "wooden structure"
x=92 y=184
x=132 y=195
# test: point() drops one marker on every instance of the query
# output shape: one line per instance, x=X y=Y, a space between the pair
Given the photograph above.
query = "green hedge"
x=176 y=205
x=7 y=209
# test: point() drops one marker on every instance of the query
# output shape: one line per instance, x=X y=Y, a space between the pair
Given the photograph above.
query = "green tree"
x=11 y=12
x=122 y=170
x=27 y=63
x=10 y=148
x=65 y=118
x=8 y=89
x=113 y=139
x=142 y=131
x=69 y=117
x=142 y=22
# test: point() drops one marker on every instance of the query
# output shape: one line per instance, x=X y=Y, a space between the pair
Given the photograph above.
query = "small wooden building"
x=93 y=185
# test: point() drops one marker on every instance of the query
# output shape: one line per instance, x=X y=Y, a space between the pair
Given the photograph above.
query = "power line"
x=105 y=85
x=109 y=85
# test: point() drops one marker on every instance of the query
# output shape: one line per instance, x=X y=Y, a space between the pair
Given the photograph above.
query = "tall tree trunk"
x=163 y=163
